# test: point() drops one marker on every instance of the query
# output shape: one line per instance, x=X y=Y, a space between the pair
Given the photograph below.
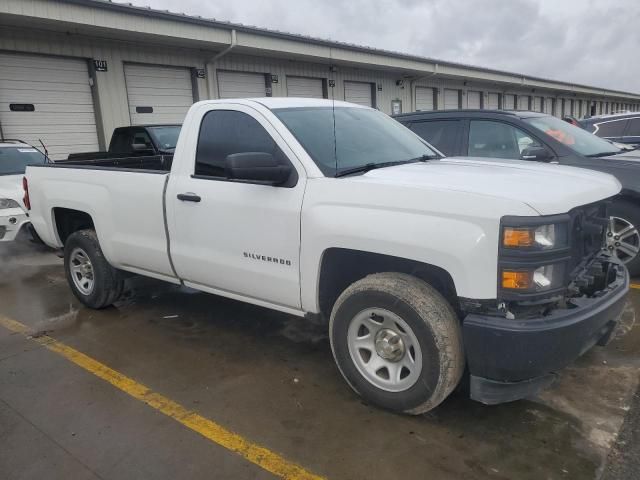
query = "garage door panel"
x=305 y=87
x=66 y=131
x=145 y=83
x=52 y=87
x=473 y=99
x=141 y=74
x=358 y=93
x=241 y=85
x=523 y=102
x=29 y=118
x=163 y=100
x=42 y=62
x=451 y=99
x=167 y=90
x=44 y=97
x=39 y=76
x=51 y=108
x=59 y=90
x=493 y=101
x=424 y=99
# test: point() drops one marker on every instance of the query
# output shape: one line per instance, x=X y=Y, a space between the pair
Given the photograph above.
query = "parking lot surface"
x=270 y=379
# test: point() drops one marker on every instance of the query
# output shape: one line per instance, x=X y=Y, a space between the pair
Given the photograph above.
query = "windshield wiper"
x=604 y=154
x=373 y=166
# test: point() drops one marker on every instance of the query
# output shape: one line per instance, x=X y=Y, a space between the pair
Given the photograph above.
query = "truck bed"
x=150 y=163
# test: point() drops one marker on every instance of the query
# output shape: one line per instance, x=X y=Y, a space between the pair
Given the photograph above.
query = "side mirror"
x=141 y=148
x=256 y=167
x=537 y=154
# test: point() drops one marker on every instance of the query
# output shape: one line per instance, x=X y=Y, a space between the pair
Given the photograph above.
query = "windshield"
x=14 y=160
x=575 y=138
x=166 y=137
x=362 y=137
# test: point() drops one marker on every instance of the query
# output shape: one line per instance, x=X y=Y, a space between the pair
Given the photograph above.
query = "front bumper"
x=11 y=222
x=512 y=359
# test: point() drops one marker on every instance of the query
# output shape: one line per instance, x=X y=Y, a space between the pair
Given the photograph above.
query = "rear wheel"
x=623 y=235
x=92 y=279
x=397 y=342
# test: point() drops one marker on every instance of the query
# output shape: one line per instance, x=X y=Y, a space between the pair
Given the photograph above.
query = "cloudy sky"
x=593 y=42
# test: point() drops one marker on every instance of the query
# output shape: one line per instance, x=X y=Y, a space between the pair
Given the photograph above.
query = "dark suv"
x=531 y=136
x=621 y=127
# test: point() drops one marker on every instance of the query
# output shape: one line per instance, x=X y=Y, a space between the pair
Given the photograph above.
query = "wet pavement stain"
x=271 y=377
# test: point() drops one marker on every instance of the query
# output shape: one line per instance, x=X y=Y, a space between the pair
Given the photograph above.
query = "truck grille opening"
x=587 y=230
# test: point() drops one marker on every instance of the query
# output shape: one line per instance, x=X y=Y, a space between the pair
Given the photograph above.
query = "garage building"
x=73 y=70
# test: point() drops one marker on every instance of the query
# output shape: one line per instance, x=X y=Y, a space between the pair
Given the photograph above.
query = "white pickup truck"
x=424 y=267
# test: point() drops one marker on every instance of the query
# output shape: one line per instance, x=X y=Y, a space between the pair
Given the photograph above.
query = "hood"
x=547 y=188
x=11 y=187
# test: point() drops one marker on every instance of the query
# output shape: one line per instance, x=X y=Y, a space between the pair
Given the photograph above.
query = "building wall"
x=390 y=85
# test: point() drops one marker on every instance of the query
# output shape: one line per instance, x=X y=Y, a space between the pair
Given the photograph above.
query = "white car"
x=14 y=158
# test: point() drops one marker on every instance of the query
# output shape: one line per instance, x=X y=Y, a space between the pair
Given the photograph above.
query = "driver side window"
x=225 y=132
x=498 y=140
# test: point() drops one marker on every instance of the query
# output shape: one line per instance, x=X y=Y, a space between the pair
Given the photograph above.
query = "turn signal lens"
x=518 y=237
x=515 y=280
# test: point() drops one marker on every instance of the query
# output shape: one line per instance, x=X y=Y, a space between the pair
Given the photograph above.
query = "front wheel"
x=397 y=342
x=623 y=236
x=92 y=279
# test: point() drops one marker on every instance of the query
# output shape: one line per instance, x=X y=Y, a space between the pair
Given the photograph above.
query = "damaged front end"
x=559 y=294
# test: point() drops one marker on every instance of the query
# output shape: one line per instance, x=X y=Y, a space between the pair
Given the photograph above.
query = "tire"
x=397 y=306
x=106 y=283
x=630 y=213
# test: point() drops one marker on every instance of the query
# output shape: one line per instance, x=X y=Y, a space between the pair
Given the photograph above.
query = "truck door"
x=239 y=239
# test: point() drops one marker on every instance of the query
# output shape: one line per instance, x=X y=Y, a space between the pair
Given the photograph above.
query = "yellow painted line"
x=256 y=454
x=635 y=285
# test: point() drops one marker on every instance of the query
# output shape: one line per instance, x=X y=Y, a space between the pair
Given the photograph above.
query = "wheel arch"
x=340 y=267
x=67 y=221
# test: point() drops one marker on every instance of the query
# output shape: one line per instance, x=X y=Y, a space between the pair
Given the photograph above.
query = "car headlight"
x=536 y=237
x=533 y=279
x=8 y=203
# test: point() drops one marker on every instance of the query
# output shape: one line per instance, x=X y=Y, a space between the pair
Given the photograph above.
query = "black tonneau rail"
x=150 y=162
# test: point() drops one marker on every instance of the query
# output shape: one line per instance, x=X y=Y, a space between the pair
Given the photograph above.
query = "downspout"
x=211 y=65
x=417 y=79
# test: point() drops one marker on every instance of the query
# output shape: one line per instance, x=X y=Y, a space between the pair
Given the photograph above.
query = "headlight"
x=533 y=279
x=541 y=237
x=8 y=203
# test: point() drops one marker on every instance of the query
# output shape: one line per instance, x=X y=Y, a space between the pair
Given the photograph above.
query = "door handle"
x=189 y=197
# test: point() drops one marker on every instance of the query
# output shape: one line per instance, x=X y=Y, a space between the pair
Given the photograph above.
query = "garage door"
x=158 y=94
x=473 y=99
x=548 y=105
x=424 y=99
x=304 y=87
x=566 y=109
x=509 y=102
x=493 y=101
x=523 y=102
x=358 y=92
x=58 y=93
x=241 y=85
x=451 y=99
x=537 y=104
